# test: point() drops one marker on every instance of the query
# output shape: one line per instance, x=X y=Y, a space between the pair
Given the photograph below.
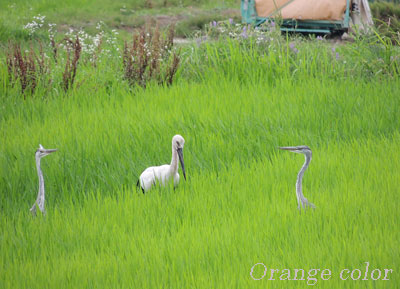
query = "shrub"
x=71 y=65
x=150 y=57
x=27 y=68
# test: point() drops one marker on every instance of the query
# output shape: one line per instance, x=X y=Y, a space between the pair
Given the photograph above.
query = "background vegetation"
x=387 y=17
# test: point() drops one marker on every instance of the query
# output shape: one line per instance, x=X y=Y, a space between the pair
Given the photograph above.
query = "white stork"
x=162 y=174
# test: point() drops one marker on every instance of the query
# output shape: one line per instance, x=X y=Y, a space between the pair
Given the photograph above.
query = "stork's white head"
x=177 y=144
x=42 y=152
x=305 y=150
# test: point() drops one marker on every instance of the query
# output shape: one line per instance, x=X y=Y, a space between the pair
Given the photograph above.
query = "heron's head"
x=177 y=144
x=298 y=149
x=42 y=152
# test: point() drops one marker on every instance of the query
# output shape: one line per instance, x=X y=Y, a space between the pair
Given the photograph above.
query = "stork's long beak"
x=180 y=154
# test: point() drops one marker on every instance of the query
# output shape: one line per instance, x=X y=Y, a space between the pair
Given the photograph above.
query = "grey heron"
x=162 y=174
x=306 y=151
x=40 y=153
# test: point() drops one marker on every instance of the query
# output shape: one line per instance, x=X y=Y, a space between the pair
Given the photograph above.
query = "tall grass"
x=238 y=206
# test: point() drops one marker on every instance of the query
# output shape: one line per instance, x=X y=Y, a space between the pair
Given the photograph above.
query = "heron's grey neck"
x=40 y=199
x=174 y=161
x=301 y=173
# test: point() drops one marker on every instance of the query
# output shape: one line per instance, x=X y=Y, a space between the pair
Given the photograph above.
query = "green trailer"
x=305 y=16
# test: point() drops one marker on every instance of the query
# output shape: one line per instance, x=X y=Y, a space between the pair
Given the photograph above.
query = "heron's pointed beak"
x=180 y=154
x=292 y=149
x=49 y=151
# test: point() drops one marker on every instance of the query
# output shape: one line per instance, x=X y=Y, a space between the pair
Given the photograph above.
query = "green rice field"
x=234 y=102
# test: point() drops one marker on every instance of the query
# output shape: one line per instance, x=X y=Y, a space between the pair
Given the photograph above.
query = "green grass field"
x=234 y=102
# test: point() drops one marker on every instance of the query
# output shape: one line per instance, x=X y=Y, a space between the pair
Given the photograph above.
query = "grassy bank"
x=125 y=16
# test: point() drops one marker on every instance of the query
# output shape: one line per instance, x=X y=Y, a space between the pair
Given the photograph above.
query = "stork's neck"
x=41 y=180
x=301 y=172
x=174 y=161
